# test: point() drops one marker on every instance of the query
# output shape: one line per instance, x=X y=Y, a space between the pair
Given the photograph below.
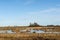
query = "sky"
x=23 y=12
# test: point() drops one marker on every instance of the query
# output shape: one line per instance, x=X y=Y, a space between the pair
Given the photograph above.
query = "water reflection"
x=27 y=31
x=36 y=31
x=6 y=31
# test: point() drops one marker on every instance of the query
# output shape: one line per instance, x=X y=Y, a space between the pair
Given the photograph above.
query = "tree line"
x=37 y=25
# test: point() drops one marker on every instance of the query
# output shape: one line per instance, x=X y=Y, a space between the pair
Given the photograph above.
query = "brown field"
x=30 y=36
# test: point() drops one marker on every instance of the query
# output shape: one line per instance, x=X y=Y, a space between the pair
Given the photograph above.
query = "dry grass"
x=28 y=36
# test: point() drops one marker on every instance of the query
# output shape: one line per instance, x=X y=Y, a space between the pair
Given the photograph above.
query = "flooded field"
x=30 y=33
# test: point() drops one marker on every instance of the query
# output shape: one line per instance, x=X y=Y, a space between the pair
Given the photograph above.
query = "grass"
x=28 y=36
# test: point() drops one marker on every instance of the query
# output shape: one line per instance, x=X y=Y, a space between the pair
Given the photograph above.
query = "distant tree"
x=57 y=25
x=33 y=25
x=50 y=25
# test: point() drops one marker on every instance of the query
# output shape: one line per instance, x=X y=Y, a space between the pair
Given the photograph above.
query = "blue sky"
x=22 y=12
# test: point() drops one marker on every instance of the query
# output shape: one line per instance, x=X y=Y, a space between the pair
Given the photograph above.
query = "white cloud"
x=28 y=2
x=50 y=10
x=47 y=16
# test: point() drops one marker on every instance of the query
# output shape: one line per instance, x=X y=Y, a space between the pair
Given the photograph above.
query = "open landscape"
x=26 y=36
x=29 y=19
x=24 y=33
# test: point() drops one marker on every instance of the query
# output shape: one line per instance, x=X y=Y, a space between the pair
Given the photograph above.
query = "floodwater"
x=30 y=31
